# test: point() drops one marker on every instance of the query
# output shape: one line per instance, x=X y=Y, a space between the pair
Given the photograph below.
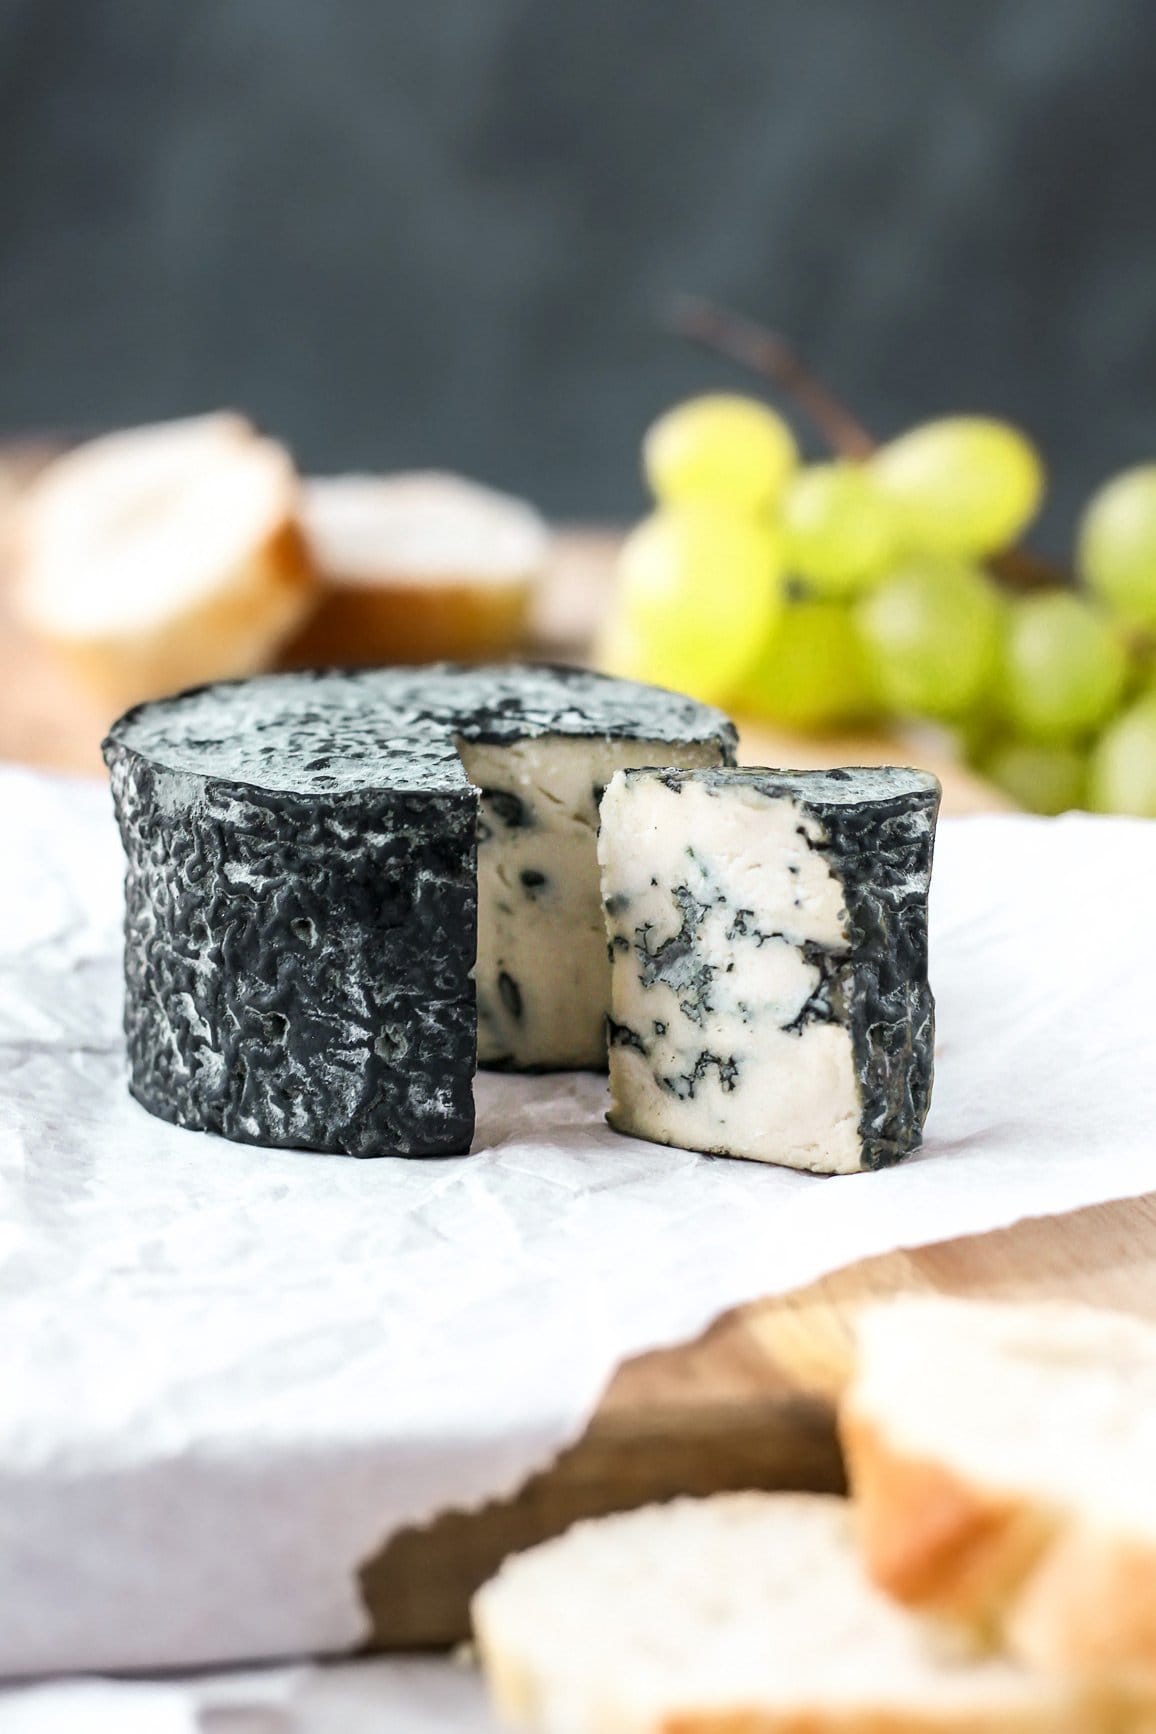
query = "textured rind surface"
x=301 y=892
x=274 y=947
x=881 y=847
x=395 y=727
x=878 y=835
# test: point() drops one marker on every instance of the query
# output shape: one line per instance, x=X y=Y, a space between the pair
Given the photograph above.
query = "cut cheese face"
x=769 y=993
x=543 y=977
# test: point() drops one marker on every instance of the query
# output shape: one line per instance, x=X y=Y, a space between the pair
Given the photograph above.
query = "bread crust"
x=452 y=617
x=1061 y=1597
x=234 y=631
x=1089 y=1608
x=930 y=1538
x=510 y=1684
x=544 y=1686
x=884 y=1722
x=516 y=1700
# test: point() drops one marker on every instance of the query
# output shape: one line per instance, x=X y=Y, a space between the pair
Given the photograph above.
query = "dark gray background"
x=444 y=231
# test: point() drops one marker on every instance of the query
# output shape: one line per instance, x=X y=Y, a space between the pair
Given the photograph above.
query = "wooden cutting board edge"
x=750 y=1404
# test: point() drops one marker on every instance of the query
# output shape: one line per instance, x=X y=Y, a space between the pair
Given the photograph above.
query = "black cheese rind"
x=301 y=892
x=881 y=848
x=298 y=965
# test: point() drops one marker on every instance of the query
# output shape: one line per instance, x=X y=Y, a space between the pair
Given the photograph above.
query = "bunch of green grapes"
x=815 y=596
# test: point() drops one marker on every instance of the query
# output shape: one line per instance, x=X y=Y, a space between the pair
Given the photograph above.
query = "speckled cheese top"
x=843 y=786
x=336 y=732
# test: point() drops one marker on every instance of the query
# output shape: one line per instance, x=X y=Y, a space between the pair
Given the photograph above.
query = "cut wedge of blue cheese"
x=768 y=941
x=317 y=863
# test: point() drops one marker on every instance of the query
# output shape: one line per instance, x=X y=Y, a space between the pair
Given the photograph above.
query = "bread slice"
x=164 y=556
x=741 y=1614
x=417 y=567
x=1004 y=1459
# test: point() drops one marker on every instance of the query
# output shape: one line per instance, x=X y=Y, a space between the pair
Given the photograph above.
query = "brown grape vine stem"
x=777 y=361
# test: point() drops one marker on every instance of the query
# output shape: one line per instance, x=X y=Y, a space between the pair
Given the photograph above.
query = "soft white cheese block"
x=542 y=974
x=768 y=940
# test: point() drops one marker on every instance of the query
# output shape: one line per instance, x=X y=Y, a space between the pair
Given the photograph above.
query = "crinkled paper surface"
x=228 y=1375
x=401 y=1697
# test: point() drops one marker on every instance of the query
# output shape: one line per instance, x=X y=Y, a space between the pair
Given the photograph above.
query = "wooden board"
x=750 y=1403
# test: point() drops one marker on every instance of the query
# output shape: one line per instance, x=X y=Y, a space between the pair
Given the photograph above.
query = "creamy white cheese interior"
x=543 y=979
x=722 y=913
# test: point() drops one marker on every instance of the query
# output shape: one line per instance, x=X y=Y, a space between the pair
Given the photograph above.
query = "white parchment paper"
x=226 y=1374
x=369 y=1697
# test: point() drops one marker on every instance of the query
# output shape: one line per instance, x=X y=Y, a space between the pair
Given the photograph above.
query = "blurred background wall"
x=446 y=231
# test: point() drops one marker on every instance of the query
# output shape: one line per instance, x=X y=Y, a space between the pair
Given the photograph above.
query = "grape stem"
x=768 y=354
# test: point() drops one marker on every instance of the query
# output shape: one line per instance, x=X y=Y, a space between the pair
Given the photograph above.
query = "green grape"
x=1117 y=545
x=963 y=486
x=931 y=633
x=1064 y=668
x=699 y=591
x=838 y=529
x=975 y=735
x=729 y=450
x=810 y=674
x=1123 y=773
x=1043 y=779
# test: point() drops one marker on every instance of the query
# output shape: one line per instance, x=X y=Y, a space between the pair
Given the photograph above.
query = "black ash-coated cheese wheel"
x=302 y=891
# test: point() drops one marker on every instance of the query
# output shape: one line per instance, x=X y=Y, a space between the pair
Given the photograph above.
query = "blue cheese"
x=768 y=942
x=543 y=978
x=343 y=889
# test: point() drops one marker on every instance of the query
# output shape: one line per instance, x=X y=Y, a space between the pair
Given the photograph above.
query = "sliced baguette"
x=741 y=1614
x=1004 y=1461
x=417 y=567
x=163 y=556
